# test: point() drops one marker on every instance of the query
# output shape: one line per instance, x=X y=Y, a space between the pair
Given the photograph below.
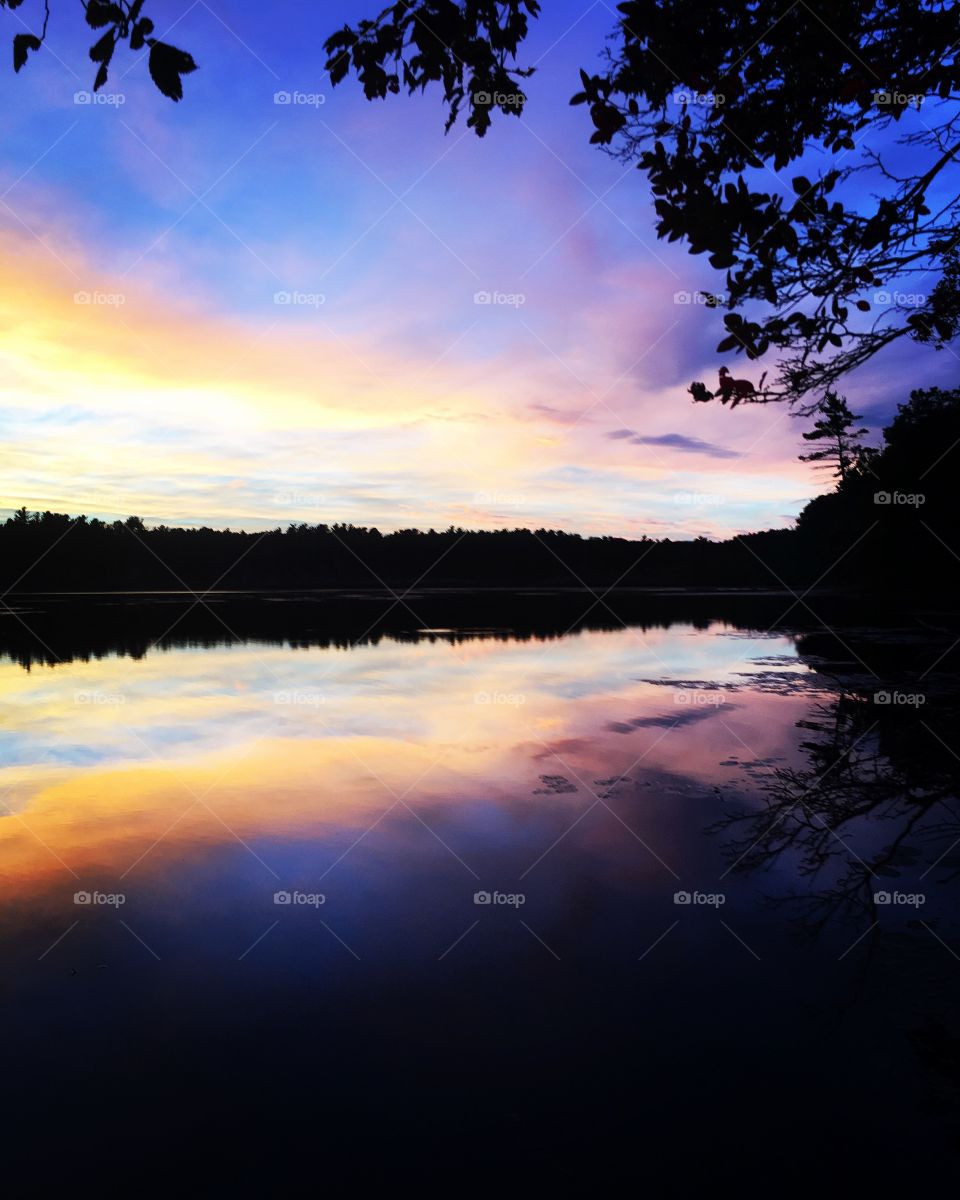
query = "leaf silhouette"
x=167 y=64
x=22 y=44
x=100 y=13
x=141 y=31
x=102 y=52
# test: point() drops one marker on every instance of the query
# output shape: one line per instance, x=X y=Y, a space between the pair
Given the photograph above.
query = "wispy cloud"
x=183 y=390
x=675 y=441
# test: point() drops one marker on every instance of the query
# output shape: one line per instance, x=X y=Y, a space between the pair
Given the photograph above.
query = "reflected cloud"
x=162 y=757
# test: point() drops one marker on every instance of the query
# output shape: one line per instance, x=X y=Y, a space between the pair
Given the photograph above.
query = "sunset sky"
x=148 y=368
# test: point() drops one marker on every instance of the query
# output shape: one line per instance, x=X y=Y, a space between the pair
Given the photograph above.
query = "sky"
x=240 y=312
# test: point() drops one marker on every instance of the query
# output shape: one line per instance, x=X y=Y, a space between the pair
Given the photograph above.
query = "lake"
x=460 y=884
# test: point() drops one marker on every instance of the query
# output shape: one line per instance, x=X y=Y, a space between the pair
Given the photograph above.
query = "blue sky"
x=383 y=392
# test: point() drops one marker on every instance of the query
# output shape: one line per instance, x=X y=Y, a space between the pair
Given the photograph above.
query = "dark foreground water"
x=322 y=892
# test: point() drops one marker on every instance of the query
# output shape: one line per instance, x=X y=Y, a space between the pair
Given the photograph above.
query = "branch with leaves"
x=722 y=106
x=120 y=21
x=714 y=102
x=469 y=49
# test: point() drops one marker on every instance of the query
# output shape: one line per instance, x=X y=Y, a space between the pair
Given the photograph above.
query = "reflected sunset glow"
x=120 y=762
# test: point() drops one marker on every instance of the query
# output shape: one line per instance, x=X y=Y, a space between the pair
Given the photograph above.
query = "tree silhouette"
x=874 y=798
x=835 y=426
x=893 y=518
x=712 y=101
x=52 y=551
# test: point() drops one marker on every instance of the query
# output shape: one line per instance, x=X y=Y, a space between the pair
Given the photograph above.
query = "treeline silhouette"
x=56 y=552
x=894 y=518
x=51 y=629
x=890 y=523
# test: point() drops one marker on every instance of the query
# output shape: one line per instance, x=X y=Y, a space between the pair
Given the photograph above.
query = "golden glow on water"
x=123 y=767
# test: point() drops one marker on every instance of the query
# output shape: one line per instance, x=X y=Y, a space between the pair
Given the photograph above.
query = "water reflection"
x=621 y=827
x=103 y=756
x=873 y=801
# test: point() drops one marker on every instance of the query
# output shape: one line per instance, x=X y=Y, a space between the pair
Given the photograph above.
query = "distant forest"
x=891 y=522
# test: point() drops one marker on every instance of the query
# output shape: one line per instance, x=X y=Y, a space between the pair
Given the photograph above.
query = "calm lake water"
x=675 y=897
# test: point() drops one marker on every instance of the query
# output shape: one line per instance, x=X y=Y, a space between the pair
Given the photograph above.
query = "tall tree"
x=835 y=426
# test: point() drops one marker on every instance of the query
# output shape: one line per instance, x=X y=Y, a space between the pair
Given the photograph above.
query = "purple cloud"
x=676 y=441
x=550 y=413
